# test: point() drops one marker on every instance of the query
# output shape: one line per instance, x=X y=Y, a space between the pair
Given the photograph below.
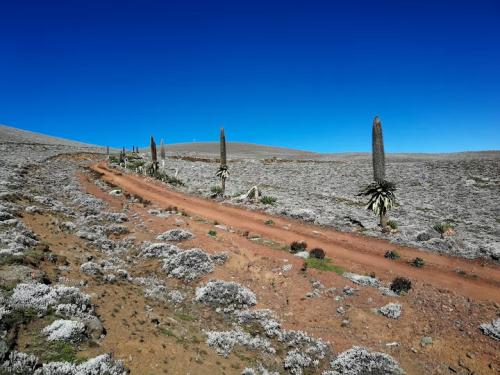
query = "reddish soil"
x=155 y=337
x=353 y=251
x=443 y=304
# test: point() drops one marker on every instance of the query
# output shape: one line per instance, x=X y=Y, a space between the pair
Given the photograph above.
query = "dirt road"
x=478 y=280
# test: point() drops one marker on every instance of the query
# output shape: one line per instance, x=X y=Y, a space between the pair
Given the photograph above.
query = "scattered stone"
x=287 y=267
x=422 y=237
x=388 y=292
x=160 y=213
x=426 y=340
x=349 y=291
x=491 y=329
x=123 y=274
x=32 y=210
x=362 y=280
x=302 y=254
x=110 y=278
x=391 y=310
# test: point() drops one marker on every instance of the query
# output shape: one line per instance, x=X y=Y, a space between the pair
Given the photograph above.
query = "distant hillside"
x=10 y=134
x=236 y=149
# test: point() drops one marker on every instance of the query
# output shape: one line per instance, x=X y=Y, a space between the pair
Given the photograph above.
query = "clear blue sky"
x=309 y=74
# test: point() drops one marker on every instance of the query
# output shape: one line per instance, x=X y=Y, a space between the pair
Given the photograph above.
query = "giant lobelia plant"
x=381 y=192
x=222 y=172
x=162 y=154
x=154 y=159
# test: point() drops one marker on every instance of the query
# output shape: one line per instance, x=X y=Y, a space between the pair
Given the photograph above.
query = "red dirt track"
x=352 y=251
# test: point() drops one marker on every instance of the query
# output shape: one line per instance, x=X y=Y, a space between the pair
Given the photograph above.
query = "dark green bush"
x=418 y=262
x=297 y=246
x=391 y=254
x=401 y=285
x=317 y=253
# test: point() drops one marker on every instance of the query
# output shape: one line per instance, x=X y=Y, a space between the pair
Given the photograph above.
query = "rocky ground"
x=462 y=190
x=94 y=280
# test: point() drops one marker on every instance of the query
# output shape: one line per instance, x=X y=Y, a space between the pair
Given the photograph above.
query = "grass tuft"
x=324 y=265
x=267 y=200
x=392 y=224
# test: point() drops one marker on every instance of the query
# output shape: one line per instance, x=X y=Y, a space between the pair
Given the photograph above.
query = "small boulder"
x=391 y=310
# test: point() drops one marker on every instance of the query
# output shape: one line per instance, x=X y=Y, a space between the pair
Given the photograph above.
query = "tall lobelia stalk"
x=378 y=155
x=381 y=192
x=223 y=173
x=107 y=152
x=154 y=158
x=162 y=155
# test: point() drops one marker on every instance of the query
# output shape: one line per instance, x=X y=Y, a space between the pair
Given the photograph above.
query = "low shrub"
x=216 y=190
x=212 y=233
x=269 y=222
x=392 y=224
x=391 y=254
x=267 y=200
x=400 y=285
x=317 y=253
x=443 y=228
x=297 y=246
x=418 y=262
